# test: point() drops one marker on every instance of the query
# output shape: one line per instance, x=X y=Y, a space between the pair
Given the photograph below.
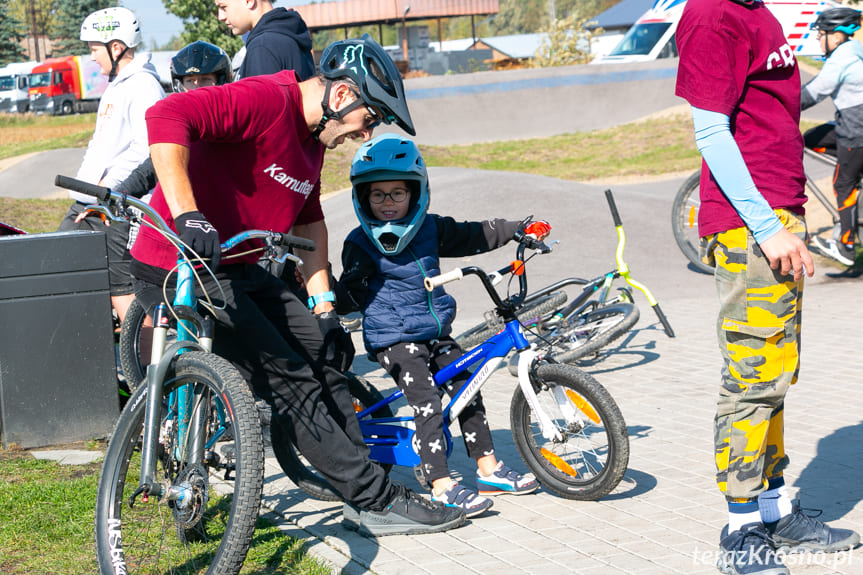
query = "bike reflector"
x=517 y=267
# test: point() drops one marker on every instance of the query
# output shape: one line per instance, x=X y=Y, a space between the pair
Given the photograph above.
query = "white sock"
x=774 y=504
x=738 y=520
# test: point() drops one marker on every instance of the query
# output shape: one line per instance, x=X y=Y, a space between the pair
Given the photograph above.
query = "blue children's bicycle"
x=167 y=502
x=566 y=426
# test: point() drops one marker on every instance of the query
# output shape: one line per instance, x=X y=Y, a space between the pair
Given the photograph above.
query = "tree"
x=66 y=31
x=567 y=42
x=202 y=23
x=10 y=38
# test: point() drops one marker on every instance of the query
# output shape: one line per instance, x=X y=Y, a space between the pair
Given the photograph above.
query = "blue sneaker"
x=463 y=498
x=505 y=480
x=747 y=551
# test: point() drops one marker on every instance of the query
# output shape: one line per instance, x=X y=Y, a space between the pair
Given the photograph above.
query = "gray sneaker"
x=406 y=514
x=800 y=533
x=835 y=250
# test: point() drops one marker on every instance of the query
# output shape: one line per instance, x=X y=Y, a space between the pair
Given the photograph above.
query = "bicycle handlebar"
x=615 y=215
x=108 y=196
x=444 y=278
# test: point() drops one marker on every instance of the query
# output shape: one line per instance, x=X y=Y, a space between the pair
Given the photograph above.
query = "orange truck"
x=66 y=85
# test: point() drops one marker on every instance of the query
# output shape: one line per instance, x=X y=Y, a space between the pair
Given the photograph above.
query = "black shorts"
x=117 y=236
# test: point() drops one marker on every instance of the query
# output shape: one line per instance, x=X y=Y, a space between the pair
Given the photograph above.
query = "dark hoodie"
x=280 y=41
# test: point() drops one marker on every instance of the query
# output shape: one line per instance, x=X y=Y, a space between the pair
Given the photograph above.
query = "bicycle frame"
x=603 y=283
x=194 y=332
x=390 y=440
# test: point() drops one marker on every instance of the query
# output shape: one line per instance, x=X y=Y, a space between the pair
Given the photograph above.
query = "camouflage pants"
x=759 y=337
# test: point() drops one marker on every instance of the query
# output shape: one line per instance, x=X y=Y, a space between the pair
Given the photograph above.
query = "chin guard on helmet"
x=386 y=158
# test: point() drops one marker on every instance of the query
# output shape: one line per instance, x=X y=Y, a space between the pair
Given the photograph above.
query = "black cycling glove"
x=200 y=235
x=338 y=348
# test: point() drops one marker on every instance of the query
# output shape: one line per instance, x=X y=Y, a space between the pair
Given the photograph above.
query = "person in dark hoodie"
x=278 y=38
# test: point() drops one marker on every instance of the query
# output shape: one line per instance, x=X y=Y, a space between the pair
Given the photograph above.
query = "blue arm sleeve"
x=716 y=144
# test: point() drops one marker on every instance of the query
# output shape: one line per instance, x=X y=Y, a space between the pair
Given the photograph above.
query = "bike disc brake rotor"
x=189 y=511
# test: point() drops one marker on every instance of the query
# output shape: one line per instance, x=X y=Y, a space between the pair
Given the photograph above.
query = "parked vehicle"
x=652 y=35
x=14 y=82
x=66 y=85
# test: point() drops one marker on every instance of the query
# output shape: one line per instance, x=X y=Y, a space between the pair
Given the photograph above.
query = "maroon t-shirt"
x=253 y=162
x=735 y=60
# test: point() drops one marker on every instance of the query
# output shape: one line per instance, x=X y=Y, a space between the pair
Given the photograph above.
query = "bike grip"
x=436 y=281
x=68 y=183
x=663 y=320
x=297 y=242
x=615 y=215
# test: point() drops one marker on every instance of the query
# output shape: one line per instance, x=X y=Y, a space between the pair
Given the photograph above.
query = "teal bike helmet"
x=390 y=157
x=366 y=63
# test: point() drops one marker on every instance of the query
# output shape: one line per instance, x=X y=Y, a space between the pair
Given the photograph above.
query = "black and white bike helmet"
x=840 y=19
x=365 y=62
x=112 y=24
x=200 y=58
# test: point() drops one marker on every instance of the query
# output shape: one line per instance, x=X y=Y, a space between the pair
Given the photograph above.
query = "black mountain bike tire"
x=159 y=537
x=133 y=347
x=684 y=223
x=593 y=456
x=527 y=315
x=298 y=470
x=587 y=333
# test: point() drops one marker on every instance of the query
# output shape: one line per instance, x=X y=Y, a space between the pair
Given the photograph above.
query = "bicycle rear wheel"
x=528 y=315
x=135 y=342
x=587 y=333
x=684 y=222
x=591 y=458
x=298 y=469
x=210 y=529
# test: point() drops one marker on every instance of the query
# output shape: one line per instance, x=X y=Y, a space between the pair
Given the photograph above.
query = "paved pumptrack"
x=666 y=515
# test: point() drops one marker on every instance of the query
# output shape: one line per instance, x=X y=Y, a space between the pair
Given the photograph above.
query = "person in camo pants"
x=740 y=76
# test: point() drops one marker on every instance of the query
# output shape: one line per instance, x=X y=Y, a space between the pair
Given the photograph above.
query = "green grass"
x=27 y=133
x=47 y=514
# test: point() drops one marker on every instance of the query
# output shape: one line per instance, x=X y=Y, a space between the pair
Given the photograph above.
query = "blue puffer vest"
x=398 y=307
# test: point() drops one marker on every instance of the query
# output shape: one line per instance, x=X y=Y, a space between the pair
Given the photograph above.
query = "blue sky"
x=160 y=25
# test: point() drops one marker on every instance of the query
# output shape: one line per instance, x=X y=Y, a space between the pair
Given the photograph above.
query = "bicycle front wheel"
x=589 y=459
x=528 y=315
x=577 y=337
x=209 y=527
x=296 y=466
x=684 y=222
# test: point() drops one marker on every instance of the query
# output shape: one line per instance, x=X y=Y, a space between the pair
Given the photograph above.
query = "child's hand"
x=538 y=230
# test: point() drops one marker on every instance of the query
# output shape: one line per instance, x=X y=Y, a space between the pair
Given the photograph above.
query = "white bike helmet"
x=390 y=157
x=112 y=24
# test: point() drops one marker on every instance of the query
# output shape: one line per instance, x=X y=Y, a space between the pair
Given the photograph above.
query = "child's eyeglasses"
x=373 y=120
x=397 y=196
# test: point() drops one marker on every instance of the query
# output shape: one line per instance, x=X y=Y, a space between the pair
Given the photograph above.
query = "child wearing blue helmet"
x=406 y=328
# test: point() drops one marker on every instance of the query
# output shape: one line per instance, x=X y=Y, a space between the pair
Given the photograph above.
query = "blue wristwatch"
x=321 y=298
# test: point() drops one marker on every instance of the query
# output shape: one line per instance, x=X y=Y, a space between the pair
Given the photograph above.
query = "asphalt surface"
x=665 y=517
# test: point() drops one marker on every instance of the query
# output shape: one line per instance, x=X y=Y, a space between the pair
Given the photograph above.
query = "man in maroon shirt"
x=248 y=155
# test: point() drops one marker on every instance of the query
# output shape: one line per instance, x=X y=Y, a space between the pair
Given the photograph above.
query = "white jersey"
x=119 y=142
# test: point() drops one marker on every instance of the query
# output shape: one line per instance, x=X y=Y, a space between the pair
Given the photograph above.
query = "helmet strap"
x=113 y=73
x=329 y=113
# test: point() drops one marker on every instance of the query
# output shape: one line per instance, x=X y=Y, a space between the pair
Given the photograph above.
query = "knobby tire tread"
x=689 y=187
x=223 y=379
x=614 y=424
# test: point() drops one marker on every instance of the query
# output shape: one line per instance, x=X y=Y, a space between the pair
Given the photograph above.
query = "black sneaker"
x=406 y=514
x=799 y=533
x=747 y=551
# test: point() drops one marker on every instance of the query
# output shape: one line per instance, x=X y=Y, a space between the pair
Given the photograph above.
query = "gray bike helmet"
x=390 y=157
x=365 y=62
x=200 y=58
x=841 y=19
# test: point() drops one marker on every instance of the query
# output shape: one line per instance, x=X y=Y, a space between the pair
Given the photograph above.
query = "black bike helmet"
x=365 y=62
x=200 y=58
x=841 y=19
